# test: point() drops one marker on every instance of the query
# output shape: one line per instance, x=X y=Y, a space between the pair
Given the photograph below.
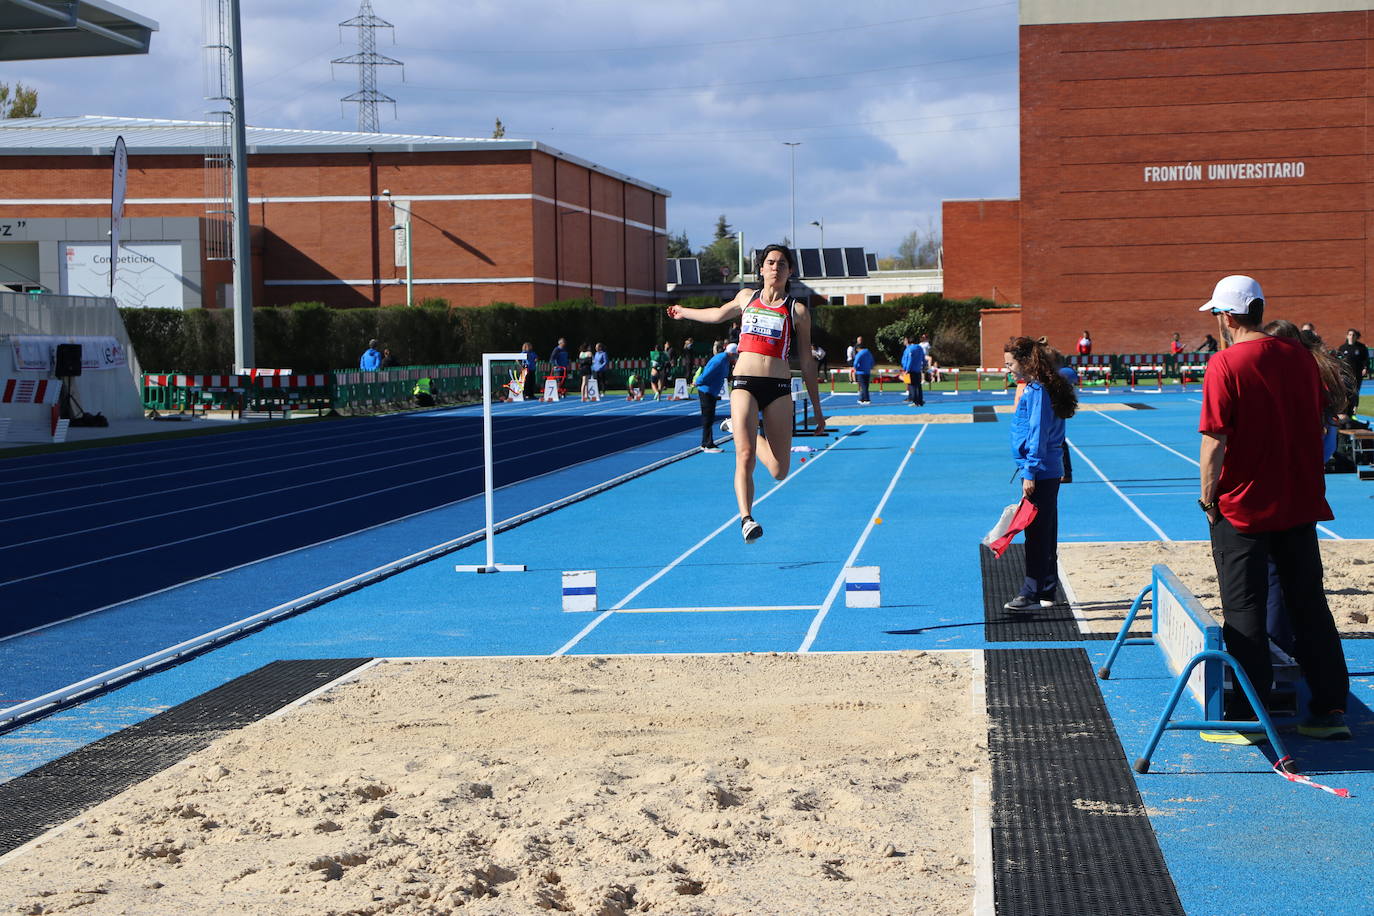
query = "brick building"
x=1165 y=144
x=491 y=220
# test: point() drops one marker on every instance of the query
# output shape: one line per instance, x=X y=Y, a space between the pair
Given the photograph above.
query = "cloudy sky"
x=896 y=104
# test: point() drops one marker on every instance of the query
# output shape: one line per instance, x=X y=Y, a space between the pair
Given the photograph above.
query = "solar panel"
x=690 y=270
x=834 y=261
x=811 y=262
x=670 y=271
x=872 y=260
x=855 y=263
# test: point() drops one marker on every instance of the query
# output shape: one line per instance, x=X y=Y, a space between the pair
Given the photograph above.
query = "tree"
x=22 y=102
x=499 y=131
x=720 y=259
x=723 y=228
x=920 y=248
x=678 y=246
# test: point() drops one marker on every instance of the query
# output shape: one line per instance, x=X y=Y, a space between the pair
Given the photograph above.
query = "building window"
x=837 y=300
x=873 y=299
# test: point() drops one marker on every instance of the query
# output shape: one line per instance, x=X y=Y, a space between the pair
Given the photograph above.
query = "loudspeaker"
x=67 y=361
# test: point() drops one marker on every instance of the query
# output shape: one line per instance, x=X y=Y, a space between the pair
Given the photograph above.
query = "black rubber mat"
x=1069 y=831
x=984 y=413
x=1141 y=406
x=1002 y=580
x=58 y=791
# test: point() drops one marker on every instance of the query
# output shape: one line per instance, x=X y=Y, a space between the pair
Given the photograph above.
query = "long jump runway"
x=913 y=499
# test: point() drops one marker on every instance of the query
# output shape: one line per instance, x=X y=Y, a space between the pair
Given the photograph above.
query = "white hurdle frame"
x=487 y=461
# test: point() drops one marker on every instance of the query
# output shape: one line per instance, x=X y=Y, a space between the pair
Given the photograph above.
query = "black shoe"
x=751 y=529
x=1022 y=603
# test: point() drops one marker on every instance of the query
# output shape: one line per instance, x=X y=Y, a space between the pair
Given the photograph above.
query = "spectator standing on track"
x=1085 y=344
x=710 y=386
x=688 y=360
x=914 y=367
x=1263 y=492
x=862 y=361
x=931 y=365
x=584 y=368
x=560 y=364
x=371 y=358
x=1037 y=446
x=770 y=320
x=1355 y=354
x=849 y=353
x=530 y=370
x=600 y=361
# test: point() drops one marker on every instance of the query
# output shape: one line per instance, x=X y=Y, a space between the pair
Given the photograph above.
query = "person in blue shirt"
x=372 y=357
x=1037 y=446
x=599 y=363
x=531 y=370
x=863 y=368
x=914 y=365
x=710 y=384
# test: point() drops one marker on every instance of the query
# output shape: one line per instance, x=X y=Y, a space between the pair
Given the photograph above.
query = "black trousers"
x=914 y=394
x=1242 y=562
x=708 y=418
x=862 y=378
x=1042 y=543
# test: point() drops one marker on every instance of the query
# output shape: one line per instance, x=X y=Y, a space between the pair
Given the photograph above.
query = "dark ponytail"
x=1038 y=362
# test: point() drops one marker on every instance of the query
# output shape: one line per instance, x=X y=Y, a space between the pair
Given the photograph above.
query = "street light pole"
x=792 y=147
x=821 y=223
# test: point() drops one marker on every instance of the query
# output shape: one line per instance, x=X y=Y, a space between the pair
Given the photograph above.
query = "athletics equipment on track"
x=862 y=586
x=579 y=590
x=487 y=460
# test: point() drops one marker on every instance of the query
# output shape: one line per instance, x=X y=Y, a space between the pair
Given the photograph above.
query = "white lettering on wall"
x=1224 y=171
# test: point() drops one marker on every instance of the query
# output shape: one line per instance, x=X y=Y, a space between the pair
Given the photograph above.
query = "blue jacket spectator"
x=712 y=377
x=560 y=357
x=1037 y=436
x=531 y=361
x=913 y=359
x=600 y=361
x=372 y=357
x=863 y=360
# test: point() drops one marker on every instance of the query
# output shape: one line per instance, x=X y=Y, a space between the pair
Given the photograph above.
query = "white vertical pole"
x=488 y=462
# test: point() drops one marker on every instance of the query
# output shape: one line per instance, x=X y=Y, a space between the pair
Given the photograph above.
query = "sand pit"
x=897 y=419
x=827 y=784
x=1106 y=578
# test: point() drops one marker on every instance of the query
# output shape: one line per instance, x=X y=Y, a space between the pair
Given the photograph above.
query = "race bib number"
x=762 y=324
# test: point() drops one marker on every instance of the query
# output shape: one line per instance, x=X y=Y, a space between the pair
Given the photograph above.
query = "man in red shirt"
x=1263 y=492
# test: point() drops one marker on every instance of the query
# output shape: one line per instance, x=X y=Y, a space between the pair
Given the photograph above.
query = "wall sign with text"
x=1224 y=171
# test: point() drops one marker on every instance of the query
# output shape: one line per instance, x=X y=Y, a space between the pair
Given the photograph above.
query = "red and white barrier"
x=31 y=391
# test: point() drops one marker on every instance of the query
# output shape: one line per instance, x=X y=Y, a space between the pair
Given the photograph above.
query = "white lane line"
x=814 y=630
x=730 y=522
x=1072 y=597
x=1124 y=498
x=707 y=610
x=1322 y=528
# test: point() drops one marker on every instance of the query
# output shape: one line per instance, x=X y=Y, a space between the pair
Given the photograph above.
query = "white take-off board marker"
x=861 y=587
x=579 y=590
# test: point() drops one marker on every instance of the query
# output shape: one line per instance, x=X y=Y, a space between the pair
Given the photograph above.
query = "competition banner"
x=150 y=273
x=34 y=353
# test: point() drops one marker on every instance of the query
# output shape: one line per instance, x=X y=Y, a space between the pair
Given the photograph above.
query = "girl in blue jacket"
x=1037 y=446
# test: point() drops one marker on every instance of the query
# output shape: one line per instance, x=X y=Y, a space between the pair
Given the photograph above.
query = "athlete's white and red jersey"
x=766 y=329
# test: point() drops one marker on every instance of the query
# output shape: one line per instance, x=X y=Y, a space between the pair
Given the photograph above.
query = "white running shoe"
x=751 y=529
x=710 y=450
x=726 y=426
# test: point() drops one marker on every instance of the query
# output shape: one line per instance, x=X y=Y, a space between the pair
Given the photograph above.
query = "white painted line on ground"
x=1073 y=599
x=814 y=630
x=566 y=647
x=983 y=897
x=1124 y=498
x=1322 y=528
x=706 y=610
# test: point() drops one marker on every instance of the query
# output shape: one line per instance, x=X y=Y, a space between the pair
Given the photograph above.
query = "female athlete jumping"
x=770 y=321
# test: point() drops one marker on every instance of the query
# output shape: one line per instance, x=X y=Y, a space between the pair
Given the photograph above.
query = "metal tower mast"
x=367 y=60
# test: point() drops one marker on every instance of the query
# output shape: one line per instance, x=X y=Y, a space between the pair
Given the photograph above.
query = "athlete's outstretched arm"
x=732 y=309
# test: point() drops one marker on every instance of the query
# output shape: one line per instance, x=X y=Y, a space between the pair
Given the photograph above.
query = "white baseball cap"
x=732 y=348
x=1234 y=294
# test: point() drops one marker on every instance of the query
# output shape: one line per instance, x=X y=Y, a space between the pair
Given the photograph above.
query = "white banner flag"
x=121 y=179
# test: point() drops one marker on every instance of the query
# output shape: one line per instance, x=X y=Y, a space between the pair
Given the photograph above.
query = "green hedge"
x=311 y=337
